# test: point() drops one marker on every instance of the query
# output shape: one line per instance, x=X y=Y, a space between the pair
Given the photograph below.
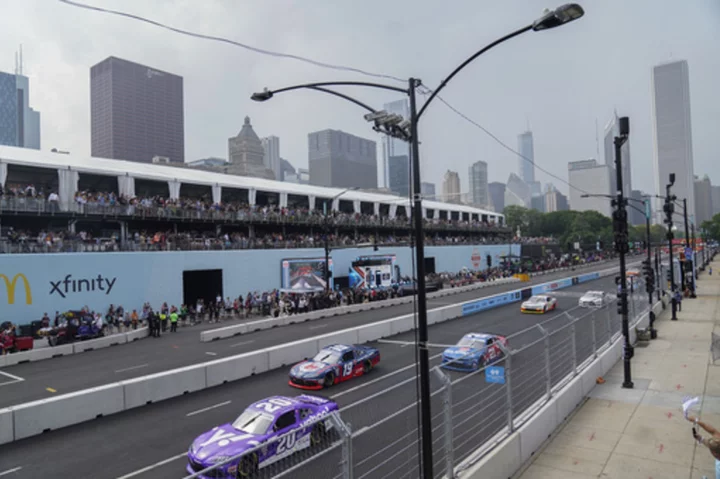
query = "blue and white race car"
x=334 y=364
x=473 y=351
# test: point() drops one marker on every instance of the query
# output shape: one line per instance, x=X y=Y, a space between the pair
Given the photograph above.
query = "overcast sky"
x=560 y=82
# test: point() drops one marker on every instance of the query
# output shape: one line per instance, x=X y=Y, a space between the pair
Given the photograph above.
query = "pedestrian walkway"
x=640 y=433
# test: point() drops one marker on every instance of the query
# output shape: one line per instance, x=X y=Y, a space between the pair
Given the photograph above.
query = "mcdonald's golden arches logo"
x=10 y=286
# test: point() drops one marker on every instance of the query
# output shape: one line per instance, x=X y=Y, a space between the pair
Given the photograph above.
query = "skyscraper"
x=496 y=191
x=451 y=187
x=672 y=132
x=19 y=124
x=636 y=217
x=396 y=148
x=555 y=201
x=526 y=169
x=612 y=129
x=399 y=175
x=271 y=158
x=247 y=154
x=136 y=112
x=716 y=199
x=588 y=176
x=703 y=200
x=478 y=176
x=427 y=189
x=517 y=192
x=342 y=160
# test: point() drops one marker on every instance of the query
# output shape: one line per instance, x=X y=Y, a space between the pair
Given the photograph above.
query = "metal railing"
x=245 y=215
x=473 y=410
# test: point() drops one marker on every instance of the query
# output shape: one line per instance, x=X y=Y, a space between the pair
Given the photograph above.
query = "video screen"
x=368 y=272
x=304 y=275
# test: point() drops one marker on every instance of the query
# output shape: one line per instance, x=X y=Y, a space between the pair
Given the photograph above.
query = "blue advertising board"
x=547 y=287
x=490 y=302
x=495 y=374
x=587 y=277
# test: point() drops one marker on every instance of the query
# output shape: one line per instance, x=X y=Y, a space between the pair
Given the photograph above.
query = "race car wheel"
x=329 y=380
x=318 y=435
x=544 y=309
x=476 y=364
x=247 y=466
x=367 y=367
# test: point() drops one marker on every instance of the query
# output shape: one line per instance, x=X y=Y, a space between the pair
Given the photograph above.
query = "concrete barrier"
x=570 y=398
x=38 y=354
x=291 y=353
x=2 y=359
x=36 y=417
x=500 y=463
x=99 y=343
x=348 y=336
x=7 y=426
x=372 y=332
x=238 y=367
x=136 y=334
x=535 y=432
x=402 y=324
x=157 y=387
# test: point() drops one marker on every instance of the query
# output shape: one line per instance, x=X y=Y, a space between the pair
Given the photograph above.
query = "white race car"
x=539 y=304
x=593 y=299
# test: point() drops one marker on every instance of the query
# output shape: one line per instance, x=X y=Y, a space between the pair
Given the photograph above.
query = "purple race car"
x=297 y=420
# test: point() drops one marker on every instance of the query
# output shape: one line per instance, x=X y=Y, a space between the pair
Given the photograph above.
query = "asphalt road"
x=71 y=373
x=152 y=442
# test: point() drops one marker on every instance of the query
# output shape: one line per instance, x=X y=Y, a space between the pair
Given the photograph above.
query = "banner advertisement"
x=303 y=275
x=368 y=272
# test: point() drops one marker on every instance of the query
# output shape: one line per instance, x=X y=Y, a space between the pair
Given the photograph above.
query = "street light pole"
x=621 y=244
x=669 y=208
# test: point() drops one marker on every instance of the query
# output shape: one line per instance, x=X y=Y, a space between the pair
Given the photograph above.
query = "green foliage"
x=712 y=227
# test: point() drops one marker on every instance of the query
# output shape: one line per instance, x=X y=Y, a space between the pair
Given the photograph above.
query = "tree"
x=516 y=216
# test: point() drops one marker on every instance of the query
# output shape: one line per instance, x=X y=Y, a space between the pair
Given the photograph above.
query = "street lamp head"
x=264 y=95
x=560 y=16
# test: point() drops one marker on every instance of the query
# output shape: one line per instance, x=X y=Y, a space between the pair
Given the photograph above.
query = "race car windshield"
x=471 y=343
x=328 y=357
x=253 y=422
x=594 y=294
x=537 y=299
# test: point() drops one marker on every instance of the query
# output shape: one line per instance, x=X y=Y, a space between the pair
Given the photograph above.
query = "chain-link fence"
x=477 y=401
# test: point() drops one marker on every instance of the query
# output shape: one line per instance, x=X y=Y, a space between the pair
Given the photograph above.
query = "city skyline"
x=563 y=129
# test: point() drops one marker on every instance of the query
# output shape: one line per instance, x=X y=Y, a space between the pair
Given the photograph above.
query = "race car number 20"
x=286 y=443
x=273 y=404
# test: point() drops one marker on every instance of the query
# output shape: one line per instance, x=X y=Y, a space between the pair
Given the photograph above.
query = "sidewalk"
x=640 y=433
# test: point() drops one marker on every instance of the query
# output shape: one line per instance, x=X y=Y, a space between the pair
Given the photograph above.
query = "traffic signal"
x=622 y=304
x=489 y=261
x=618 y=280
x=669 y=276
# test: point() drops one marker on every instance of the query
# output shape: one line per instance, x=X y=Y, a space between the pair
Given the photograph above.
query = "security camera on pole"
x=620 y=227
x=669 y=209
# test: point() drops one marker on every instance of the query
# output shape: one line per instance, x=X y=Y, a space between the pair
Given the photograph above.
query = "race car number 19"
x=347 y=370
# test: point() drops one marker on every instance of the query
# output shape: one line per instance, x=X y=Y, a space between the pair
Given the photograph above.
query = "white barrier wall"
x=7 y=427
x=46 y=414
x=35 y=417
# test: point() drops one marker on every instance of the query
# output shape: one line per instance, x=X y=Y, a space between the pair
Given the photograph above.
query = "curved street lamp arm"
x=470 y=60
x=342 y=83
x=343 y=96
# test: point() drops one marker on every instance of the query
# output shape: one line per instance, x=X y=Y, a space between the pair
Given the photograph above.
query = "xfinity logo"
x=69 y=285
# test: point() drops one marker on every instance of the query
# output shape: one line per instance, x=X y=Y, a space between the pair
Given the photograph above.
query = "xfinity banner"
x=491 y=302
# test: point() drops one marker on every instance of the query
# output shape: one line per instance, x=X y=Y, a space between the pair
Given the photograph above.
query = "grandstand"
x=47 y=191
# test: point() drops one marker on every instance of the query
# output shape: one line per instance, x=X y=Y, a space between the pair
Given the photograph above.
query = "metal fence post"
x=508 y=390
x=447 y=423
x=593 y=334
x=345 y=430
x=548 y=382
x=609 y=324
x=574 y=348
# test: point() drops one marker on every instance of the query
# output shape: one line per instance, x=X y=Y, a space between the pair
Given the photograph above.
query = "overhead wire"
x=232 y=42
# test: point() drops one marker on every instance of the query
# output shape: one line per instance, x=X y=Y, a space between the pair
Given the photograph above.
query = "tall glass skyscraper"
x=136 y=112
x=396 y=154
x=342 y=160
x=672 y=133
x=19 y=124
x=526 y=169
x=478 y=176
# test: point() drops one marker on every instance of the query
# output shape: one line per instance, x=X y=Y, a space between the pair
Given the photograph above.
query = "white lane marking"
x=133 y=367
x=15 y=379
x=208 y=408
x=154 y=466
x=10 y=471
x=241 y=343
x=211 y=354
x=380 y=378
x=412 y=343
x=319 y=326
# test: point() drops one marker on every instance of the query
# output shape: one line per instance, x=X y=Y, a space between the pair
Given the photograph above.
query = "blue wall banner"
x=548 y=287
x=587 y=277
x=33 y=284
x=491 y=302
